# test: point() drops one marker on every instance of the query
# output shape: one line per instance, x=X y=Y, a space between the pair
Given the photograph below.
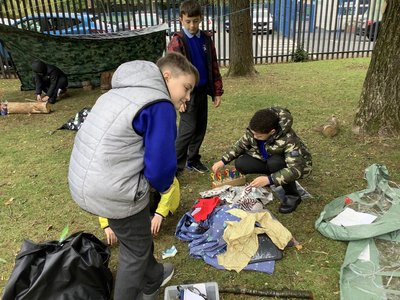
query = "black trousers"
x=247 y=164
x=192 y=128
x=138 y=270
x=62 y=83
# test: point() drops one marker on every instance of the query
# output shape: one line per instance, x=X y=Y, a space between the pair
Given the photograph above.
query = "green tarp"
x=81 y=57
x=387 y=211
x=371 y=268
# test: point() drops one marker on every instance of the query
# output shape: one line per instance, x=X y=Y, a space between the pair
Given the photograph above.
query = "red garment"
x=206 y=206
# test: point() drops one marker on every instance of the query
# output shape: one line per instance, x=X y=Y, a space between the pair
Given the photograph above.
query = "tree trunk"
x=379 y=104
x=241 y=62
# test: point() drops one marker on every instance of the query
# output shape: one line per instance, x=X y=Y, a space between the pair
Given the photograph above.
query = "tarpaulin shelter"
x=371 y=268
x=81 y=57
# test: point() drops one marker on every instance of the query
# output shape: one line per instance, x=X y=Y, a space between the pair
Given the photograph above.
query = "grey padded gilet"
x=105 y=172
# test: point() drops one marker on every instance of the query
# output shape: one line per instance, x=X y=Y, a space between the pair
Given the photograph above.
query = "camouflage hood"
x=285 y=121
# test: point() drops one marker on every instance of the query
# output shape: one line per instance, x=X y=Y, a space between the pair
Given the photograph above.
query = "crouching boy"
x=271 y=147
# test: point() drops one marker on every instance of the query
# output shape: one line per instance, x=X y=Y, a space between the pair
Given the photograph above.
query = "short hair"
x=264 y=120
x=191 y=8
x=178 y=64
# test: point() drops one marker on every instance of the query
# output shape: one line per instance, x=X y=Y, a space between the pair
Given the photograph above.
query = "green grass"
x=34 y=161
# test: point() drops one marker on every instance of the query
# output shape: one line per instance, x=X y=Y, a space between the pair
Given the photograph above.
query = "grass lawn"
x=36 y=204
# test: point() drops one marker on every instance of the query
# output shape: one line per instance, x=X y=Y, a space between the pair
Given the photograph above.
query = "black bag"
x=76 y=122
x=76 y=268
x=267 y=250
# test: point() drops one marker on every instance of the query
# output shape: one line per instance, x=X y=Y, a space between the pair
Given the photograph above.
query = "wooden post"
x=105 y=80
x=29 y=108
x=87 y=85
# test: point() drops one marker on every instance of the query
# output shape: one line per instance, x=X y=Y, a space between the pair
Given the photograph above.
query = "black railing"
x=320 y=29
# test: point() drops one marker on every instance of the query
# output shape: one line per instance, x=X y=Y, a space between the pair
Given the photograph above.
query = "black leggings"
x=247 y=164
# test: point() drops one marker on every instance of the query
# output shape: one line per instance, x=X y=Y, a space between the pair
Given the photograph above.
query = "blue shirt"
x=156 y=123
x=261 y=147
x=198 y=55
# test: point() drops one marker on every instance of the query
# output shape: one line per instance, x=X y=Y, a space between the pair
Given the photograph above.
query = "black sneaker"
x=197 y=166
x=168 y=273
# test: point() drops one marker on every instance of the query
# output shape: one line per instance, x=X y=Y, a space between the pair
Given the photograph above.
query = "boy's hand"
x=217 y=101
x=38 y=97
x=260 y=181
x=111 y=238
x=45 y=98
x=156 y=223
x=218 y=165
x=182 y=108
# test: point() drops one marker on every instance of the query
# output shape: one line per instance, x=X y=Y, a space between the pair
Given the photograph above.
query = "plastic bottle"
x=4 y=108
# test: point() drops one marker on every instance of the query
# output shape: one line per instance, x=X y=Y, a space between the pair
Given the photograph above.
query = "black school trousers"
x=247 y=164
x=138 y=270
x=192 y=128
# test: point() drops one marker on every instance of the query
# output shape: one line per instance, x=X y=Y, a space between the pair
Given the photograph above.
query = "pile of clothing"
x=229 y=229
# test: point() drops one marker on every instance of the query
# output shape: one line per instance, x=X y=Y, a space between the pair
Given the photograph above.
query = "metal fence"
x=283 y=30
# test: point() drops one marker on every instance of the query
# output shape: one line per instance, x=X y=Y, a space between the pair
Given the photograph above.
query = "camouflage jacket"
x=285 y=142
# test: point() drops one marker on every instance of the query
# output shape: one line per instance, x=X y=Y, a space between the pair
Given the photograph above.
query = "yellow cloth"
x=169 y=202
x=242 y=241
x=103 y=222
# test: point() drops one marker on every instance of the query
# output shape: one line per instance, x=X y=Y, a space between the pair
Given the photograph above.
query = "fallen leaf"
x=49 y=227
x=9 y=202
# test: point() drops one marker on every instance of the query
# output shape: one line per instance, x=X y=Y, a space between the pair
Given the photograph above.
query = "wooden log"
x=87 y=85
x=29 y=108
x=330 y=128
x=229 y=181
x=105 y=80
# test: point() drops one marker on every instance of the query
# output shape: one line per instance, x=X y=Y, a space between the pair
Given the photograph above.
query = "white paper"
x=365 y=255
x=350 y=217
x=189 y=295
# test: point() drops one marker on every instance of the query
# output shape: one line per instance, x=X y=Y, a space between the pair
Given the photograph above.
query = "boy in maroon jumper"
x=199 y=49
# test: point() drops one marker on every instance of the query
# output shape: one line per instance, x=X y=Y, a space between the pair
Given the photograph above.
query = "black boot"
x=289 y=204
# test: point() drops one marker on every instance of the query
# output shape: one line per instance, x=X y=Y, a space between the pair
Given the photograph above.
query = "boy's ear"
x=167 y=75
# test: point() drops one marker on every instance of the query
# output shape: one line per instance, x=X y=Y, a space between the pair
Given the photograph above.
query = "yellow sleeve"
x=169 y=201
x=103 y=222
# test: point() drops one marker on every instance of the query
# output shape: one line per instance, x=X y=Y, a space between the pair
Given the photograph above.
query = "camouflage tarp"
x=81 y=57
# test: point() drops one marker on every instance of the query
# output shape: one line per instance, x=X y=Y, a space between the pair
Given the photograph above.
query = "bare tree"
x=241 y=62
x=379 y=104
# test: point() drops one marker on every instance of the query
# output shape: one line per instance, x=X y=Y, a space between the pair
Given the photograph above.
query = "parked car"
x=206 y=25
x=368 y=28
x=63 y=23
x=262 y=21
x=125 y=21
x=369 y=22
